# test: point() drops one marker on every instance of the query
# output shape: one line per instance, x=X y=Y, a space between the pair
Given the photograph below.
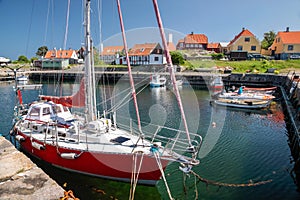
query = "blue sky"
x=28 y=24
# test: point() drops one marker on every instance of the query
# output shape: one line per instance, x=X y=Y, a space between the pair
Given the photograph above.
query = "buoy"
x=70 y=156
x=214 y=124
x=20 y=138
x=37 y=146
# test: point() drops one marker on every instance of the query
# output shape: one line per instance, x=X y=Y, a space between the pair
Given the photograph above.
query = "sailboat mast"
x=129 y=68
x=90 y=104
x=171 y=70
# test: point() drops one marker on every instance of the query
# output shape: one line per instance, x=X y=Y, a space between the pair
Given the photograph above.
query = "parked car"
x=294 y=56
x=256 y=56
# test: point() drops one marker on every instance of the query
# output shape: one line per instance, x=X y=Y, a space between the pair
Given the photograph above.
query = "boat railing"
x=172 y=139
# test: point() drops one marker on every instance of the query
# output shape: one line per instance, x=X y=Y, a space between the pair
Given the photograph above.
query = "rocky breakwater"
x=20 y=178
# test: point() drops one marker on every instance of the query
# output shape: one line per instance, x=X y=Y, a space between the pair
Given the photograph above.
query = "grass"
x=250 y=65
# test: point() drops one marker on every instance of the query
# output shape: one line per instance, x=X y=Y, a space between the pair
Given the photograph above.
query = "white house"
x=144 y=54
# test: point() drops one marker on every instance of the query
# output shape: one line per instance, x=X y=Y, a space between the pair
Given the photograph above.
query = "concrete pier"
x=20 y=178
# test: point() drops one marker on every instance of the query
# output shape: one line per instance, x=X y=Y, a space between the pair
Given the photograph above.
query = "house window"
x=290 y=47
x=156 y=58
x=187 y=45
x=240 y=48
x=253 y=48
x=247 y=39
x=180 y=44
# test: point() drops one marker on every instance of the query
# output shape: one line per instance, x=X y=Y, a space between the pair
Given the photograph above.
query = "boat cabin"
x=46 y=111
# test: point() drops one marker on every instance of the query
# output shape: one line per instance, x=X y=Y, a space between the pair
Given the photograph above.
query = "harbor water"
x=239 y=146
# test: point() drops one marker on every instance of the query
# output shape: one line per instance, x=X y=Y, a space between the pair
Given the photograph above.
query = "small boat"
x=157 y=81
x=246 y=95
x=242 y=103
x=259 y=89
x=268 y=90
x=22 y=78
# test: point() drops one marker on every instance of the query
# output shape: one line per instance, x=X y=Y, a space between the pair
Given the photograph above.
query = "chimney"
x=170 y=40
x=243 y=28
x=192 y=33
x=287 y=29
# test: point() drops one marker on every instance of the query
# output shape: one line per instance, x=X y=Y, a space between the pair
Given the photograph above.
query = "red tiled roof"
x=245 y=32
x=111 y=50
x=292 y=37
x=213 y=45
x=142 y=49
x=66 y=54
x=196 y=38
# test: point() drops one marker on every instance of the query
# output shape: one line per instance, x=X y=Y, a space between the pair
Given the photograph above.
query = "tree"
x=96 y=56
x=268 y=39
x=33 y=59
x=177 y=58
x=217 y=56
x=23 y=59
x=41 y=51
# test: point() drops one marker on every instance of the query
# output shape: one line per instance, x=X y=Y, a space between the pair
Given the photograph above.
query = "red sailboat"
x=94 y=145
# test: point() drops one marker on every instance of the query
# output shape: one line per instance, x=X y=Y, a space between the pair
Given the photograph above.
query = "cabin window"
x=156 y=58
x=290 y=47
x=34 y=112
x=247 y=39
x=57 y=109
x=240 y=48
x=46 y=111
x=253 y=48
x=65 y=109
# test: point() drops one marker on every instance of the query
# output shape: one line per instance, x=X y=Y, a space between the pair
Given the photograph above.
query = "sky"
x=27 y=25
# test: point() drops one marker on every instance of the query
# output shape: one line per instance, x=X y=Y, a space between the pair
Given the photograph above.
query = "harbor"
x=148 y=118
x=249 y=143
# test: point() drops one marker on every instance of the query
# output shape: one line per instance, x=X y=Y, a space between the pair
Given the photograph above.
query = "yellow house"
x=245 y=41
x=286 y=45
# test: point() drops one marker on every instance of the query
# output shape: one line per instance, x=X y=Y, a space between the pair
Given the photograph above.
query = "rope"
x=250 y=184
x=47 y=21
x=135 y=174
x=69 y=196
x=156 y=155
x=67 y=26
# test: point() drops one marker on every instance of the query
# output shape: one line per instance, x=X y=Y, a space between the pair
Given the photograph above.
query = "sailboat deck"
x=114 y=141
